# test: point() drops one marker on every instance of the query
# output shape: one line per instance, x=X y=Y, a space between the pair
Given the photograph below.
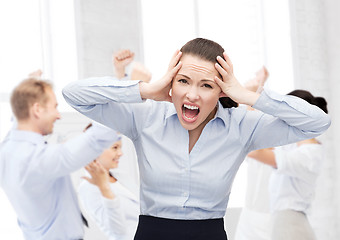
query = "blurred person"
x=124 y=57
x=293 y=181
x=35 y=175
x=113 y=207
x=254 y=222
x=111 y=204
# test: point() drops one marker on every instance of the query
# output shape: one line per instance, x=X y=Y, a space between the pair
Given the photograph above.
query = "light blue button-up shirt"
x=175 y=183
x=35 y=178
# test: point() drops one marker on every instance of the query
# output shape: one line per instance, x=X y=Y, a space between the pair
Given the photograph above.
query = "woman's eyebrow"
x=207 y=80
x=184 y=75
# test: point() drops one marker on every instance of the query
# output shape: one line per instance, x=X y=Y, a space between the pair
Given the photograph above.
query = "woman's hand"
x=230 y=85
x=100 y=178
x=99 y=174
x=160 y=90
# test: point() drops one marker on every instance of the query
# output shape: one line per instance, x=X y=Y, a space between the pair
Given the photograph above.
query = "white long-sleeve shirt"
x=179 y=184
x=118 y=217
x=292 y=184
x=35 y=178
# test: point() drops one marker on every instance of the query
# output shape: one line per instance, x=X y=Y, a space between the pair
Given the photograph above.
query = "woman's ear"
x=170 y=94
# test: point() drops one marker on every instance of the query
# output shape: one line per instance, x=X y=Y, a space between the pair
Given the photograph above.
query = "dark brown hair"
x=207 y=50
x=307 y=96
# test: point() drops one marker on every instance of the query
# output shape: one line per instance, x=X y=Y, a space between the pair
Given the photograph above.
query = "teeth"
x=190 y=107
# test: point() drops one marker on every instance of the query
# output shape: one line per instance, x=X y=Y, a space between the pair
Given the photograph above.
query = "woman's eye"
x=182 y=81
x=207 y=85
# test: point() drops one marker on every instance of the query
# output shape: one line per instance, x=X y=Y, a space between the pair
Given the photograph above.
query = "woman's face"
x=110 y=156
x=194 y=92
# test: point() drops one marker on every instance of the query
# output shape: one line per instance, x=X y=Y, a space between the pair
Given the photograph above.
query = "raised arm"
x=286 y=119
x=140 y=72
x=58 y=160
x=103 y=205
x=256 y=83
x=265 y=156
x=103 y=99
x=121 y=60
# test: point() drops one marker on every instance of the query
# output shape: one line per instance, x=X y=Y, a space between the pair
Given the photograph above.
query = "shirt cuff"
x=268 y=102
x=131 y=93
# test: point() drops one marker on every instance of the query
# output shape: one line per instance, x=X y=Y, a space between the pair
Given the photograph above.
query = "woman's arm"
x=287 y=119
x=115 y=103
x=265 y=156
x=103 y=205
x=56 y=160
x=100 y=178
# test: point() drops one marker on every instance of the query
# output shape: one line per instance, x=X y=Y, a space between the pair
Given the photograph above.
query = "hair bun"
x=321 y=103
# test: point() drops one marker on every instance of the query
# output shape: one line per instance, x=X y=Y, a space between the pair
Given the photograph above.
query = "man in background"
x=35 y=175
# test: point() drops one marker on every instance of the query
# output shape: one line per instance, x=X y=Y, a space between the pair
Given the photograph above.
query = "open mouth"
x=190 y=112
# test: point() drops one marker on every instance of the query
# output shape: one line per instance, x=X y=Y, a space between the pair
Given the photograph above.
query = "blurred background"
x=297 y=40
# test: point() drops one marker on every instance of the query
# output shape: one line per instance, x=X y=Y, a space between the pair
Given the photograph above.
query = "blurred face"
x=48 y=114
x=195 y=93
x=110 y=156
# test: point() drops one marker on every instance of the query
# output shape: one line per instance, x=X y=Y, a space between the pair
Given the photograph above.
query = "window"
x=34 y=36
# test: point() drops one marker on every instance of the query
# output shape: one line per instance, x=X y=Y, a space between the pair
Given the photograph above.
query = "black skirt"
x=154 y=228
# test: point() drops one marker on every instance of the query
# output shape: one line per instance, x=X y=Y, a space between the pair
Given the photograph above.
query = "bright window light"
x=36 y=34
x=166 y=27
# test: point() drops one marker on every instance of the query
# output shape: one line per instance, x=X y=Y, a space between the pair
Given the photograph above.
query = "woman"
x=190 y=148
x=114 y=208
x=292 y=184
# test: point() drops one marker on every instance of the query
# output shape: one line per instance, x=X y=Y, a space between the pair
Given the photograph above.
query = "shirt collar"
x=170 y=111
x=27 y=136
x=222 y=113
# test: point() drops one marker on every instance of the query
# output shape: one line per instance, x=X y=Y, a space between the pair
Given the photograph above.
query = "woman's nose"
x=192 y=94
x=120 y=153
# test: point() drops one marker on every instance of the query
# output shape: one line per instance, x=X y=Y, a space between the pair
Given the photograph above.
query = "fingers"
x=36 y=74
x=175 y=59
x=224 y=65
x=219 y=82
x=123 y=54
x=220 y=69
x=230 y=64
x=94 y=167
x=175 y=70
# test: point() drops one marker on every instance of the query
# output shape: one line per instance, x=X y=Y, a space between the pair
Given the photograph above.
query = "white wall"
x=332 y=27
x=103 y=27
x=316 y=56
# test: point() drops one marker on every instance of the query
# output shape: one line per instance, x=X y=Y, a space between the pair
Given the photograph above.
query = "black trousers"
x=154 y=228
